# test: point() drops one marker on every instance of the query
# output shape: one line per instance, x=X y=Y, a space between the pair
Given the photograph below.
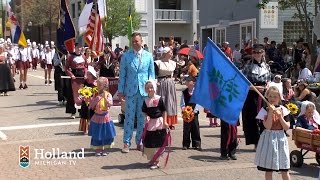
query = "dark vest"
x=187 y=97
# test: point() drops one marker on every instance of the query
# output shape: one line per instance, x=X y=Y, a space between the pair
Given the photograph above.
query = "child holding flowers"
x=272 y=152
x=190 y=113
x=155 y=131
x=101 y=129
x=86 y=92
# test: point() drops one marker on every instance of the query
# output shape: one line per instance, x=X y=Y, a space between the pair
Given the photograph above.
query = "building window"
x=220 y=35
x=79 y=8
x=292 y=31
x=73 y=7
x=170 y=4
x=246 y=31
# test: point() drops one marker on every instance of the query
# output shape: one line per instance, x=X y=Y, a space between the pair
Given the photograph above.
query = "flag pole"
x=259 y=93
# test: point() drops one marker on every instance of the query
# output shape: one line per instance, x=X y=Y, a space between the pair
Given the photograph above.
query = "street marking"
x=39 y=77
x=37 y=126
x=3 y=136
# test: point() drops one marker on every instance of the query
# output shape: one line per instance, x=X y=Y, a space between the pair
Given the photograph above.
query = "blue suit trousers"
x=133 y=110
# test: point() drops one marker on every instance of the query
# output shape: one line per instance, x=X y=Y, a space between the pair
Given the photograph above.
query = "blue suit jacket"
x=133 y=75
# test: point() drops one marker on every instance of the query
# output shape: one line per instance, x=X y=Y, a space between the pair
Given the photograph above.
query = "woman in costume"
x=166 y=85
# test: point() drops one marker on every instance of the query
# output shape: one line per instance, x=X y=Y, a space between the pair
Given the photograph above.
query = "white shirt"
x=48 y=57
x=237 y=56
x=166 y=68
x=304 y=74
x=35 y=53
x=29 y=54
x=23 y=54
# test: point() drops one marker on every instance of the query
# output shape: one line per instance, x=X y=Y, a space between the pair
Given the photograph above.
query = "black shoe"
x=50 y=82
x=46 y=82
x=233 y=157
x=198 y=148
x=184 y=148
x=224 y=157
x=20 y=87
x=25 y=86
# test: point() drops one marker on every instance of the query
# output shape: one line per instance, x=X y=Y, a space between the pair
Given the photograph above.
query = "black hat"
x=258 y=47
x=191 y=78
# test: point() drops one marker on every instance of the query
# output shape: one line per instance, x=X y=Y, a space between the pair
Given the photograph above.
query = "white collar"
x=138 y=52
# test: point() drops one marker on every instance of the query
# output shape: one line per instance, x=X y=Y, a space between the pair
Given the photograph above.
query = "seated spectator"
x=302 y=92
x=308 y=118
x=288 y=92
x=304 y=72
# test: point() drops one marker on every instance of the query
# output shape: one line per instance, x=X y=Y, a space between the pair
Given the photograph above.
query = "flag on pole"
x=65 y=32
x=17 y=35
x=130 y=27
x=94 y=32
x=221 y=87
x=86 y=11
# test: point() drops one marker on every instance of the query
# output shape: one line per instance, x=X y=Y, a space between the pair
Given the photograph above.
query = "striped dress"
x=272 y=152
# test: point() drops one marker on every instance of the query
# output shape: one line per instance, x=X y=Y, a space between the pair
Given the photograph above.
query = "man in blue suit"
x=136 y=67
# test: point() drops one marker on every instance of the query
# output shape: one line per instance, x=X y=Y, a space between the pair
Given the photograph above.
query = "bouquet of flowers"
x=293 y=108
x=85 y=93
x=187 y=114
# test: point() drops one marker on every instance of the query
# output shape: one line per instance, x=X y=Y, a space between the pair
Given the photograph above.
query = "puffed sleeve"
x=161 y=105
x=144 y=107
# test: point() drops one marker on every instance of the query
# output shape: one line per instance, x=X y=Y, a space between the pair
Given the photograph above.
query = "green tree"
x=42 y=13
x=303 y=14
x=116 y=23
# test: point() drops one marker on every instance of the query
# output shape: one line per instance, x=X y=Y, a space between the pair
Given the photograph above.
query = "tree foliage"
x=115 y=24
x=41 y=12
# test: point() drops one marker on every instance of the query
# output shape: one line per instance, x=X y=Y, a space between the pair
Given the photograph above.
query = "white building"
x=159 y=19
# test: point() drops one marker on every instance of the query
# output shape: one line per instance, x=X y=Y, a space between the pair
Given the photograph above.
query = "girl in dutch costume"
x=272 y=152
x=101 y=129
x=155 y=131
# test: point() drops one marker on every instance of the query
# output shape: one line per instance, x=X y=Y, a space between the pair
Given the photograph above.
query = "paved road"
x=32 y=118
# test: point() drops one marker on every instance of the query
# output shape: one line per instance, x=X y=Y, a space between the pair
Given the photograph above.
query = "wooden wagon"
x=306 y=141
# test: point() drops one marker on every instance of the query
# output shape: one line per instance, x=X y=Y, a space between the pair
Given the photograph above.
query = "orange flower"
x=187 y=114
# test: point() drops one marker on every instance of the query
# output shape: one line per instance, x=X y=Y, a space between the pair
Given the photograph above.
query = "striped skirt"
x=273 y=151
x=167 y=90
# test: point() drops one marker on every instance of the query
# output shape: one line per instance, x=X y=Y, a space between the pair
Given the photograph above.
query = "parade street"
x=32 y=118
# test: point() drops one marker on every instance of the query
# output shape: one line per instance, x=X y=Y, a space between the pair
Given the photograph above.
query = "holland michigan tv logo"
x=24 y=156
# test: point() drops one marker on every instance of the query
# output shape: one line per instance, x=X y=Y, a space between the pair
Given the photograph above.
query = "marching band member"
x=35 y=56
x=47 y=66
x=22 y=66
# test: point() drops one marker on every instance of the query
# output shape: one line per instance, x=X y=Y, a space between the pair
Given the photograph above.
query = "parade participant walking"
x=58 y=72
x=228 y=141
x=166 y=88
x=23 y=65
x=102 y=130
x=76 y=68
x=258 y=73
x=156 y=126
x=47 y=65
x=136 y=68
x=273 y=149
x=6 y=80
x=35 y=55
x=191 y=126
x=85 y=112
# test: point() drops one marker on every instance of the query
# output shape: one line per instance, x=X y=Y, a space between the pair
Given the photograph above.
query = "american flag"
x=94 y=33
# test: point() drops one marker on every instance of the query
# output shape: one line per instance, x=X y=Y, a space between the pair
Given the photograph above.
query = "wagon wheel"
x=296 y=158
x=318 y=158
